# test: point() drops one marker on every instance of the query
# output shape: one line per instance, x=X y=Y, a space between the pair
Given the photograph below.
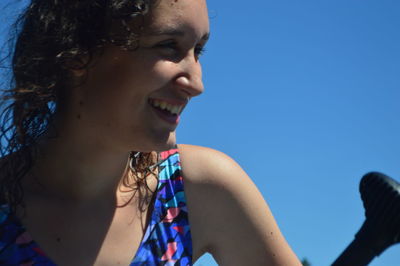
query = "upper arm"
x=229 y=213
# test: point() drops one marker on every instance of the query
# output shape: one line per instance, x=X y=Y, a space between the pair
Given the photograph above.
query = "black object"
x=381 y=228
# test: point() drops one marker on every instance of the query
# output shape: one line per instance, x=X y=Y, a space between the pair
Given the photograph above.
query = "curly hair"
x=52 y=37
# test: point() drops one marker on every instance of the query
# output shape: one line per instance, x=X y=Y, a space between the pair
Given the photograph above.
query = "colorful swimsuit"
x=167 y=240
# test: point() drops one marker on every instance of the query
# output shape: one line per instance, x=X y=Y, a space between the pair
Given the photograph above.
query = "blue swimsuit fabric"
x=167 y=240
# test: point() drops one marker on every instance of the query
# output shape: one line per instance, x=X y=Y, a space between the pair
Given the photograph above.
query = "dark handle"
x=361 y=251
x=381 y=229
x=356 y=254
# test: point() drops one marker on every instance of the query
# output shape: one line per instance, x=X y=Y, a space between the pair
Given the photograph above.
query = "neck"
x=79 y=161
x=79 y=169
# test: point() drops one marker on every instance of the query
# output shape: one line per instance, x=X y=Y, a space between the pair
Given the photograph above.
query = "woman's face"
x=133 y=100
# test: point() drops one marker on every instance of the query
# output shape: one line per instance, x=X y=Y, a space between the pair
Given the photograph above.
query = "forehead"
x=183 y=14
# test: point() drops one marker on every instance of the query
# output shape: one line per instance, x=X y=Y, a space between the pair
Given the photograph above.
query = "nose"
x=190 y=80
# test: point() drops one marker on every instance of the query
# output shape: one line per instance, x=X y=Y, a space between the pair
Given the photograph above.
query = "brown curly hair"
x=51 y=38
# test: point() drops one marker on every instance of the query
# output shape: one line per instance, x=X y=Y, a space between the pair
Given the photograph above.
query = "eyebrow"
x=172 y=32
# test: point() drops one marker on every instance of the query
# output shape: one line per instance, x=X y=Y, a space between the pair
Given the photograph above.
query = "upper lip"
x=177 y=102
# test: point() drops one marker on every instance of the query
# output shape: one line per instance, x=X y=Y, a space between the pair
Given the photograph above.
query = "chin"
x=158 y=144
x=170 y=144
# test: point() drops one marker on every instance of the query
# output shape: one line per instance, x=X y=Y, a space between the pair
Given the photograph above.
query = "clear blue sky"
x=305 y=96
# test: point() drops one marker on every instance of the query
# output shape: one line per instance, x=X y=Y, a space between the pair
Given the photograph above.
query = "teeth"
x=174 y=109
x=156 y=103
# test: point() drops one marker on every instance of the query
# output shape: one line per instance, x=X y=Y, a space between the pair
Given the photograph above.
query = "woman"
x=92 y=172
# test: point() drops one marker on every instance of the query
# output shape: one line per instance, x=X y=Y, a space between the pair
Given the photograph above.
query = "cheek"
x=122 y=85
x=165 y=71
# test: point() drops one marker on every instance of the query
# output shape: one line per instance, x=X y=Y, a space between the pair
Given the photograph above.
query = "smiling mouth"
x=165 y=107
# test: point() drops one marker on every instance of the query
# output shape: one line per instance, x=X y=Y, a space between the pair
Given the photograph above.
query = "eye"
x=169 y=46
x=199 y=50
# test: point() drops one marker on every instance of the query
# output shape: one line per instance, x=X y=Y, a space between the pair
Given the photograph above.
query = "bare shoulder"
x=228 y=213
x=205 y=165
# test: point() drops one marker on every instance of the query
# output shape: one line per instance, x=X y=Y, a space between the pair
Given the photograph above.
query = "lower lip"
x=171 y=119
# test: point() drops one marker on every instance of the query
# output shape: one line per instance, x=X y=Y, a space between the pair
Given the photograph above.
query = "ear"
x=78 y=72
x=77 y=66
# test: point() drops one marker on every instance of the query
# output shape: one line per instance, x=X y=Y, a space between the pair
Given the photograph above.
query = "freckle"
x=58 y=239
x=81 y=103
x=78 y=116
